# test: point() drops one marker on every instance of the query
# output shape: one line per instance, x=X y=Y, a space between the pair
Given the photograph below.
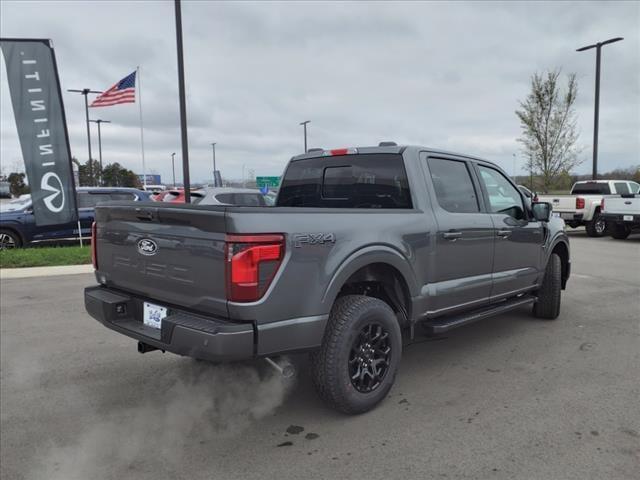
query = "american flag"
x=122 y=92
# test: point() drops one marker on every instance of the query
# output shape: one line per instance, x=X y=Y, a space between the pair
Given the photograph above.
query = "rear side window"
x=622 y=188
x=453 y=186
x=225 y=198
x=122 y=196
x=90 y=200
x=248 y=199
x=346 y=181
x=591 y=188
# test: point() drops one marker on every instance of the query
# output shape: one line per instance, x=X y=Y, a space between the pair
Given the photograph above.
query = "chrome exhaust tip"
x=286 y=369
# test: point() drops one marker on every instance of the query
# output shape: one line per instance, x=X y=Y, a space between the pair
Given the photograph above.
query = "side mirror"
x=541 y=211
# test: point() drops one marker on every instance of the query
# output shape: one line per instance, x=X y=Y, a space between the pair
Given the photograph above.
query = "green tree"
x=115 y=175
x=548 y=122
x=17 y=185
x=83 y=173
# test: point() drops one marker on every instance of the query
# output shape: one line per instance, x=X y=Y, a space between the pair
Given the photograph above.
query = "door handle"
x=453 y=236
x=503 y=233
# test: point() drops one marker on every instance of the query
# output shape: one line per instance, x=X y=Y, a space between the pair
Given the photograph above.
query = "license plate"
x=627 y=218
x=555 y=214
x=153 y=315
x=567 y=216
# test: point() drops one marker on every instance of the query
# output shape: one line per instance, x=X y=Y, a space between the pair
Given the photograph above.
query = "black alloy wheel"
x=369 y=358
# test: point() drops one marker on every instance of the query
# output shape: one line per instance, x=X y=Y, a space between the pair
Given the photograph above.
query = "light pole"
x=598 y=46
x=173 y=168
x=85 y=92
x=514 y=167
x=215 y=180
x=99 y=121
x=304 y=124
x=183 y=104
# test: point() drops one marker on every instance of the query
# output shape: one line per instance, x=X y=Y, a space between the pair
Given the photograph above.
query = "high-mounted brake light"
x=94 y=245
x=340 y=151
x=579 y=203
x=251 y=263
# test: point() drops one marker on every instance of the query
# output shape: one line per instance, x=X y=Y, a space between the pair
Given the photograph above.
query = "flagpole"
x=144 y=168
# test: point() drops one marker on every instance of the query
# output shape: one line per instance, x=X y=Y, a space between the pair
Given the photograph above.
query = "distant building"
x=152 y=179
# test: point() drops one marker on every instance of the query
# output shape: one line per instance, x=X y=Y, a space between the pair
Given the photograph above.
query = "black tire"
x=548 y=304
x=9 y=239
x=597 y=227
x=619 y=231
x=342 y=352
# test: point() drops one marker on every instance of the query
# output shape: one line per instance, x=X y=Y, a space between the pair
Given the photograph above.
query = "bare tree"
x=548 y=121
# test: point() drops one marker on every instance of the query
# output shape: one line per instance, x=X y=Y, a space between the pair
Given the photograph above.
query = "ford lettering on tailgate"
x=152 y=268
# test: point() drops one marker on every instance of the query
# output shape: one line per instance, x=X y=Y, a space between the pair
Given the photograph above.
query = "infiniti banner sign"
x=37 y=104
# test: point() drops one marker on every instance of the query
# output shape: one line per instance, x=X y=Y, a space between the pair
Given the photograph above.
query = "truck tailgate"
x=560 y=203
x=172 y=255
x=627 y=204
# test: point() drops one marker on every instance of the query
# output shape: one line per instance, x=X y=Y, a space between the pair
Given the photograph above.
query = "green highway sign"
x=267 y=181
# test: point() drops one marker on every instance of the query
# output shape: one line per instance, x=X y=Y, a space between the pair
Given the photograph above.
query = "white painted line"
x=8 y=273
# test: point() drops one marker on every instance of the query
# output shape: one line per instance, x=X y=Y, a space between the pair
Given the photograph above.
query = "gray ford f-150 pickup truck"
x=363 y=244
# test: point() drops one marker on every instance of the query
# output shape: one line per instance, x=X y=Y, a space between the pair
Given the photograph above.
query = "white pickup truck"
x=583 y=205
x=622 y=214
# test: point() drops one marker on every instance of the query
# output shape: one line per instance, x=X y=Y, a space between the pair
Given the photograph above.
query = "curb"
x=9 y=273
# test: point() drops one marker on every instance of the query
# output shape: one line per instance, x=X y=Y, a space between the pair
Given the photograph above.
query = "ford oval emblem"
x=146 y=246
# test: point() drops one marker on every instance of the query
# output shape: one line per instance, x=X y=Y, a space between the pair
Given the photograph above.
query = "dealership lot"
x=509 y=397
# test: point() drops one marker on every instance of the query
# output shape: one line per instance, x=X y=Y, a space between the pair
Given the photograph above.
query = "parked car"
x=175 y=196
x=246 y=197
x=18 y=227
x=361 y=244
x=622 y=214
x=582 y=205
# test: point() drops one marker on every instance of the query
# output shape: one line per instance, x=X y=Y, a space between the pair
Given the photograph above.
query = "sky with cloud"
x=443 y=74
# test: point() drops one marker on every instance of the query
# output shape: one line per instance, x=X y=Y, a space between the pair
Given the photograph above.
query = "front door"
x=518 y=245
x=463 y=258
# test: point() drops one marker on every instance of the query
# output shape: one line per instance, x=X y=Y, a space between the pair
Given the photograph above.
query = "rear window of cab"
x=346 y=181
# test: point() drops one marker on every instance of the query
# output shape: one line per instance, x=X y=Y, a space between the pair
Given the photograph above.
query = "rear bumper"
x=571 y=217
x=207 y=338
x=620 y=218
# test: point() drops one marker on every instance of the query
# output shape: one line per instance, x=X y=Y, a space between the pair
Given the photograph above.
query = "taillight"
x=94 y=245
x=602 y=205
x=579 y=203
x=535 y=197
x=251 y=263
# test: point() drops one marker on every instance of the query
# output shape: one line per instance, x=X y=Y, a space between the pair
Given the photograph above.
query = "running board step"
x=444 y=324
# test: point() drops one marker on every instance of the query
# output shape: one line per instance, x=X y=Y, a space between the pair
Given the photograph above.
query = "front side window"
x=635 y=188
x=453 y=186
x=503 y=196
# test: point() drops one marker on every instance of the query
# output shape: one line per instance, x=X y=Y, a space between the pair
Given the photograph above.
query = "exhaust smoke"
x=199 y=402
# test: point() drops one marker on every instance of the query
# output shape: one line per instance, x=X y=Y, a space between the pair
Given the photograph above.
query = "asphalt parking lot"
x=510 y=397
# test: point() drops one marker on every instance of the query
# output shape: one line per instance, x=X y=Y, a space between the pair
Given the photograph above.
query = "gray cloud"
x=447 y=75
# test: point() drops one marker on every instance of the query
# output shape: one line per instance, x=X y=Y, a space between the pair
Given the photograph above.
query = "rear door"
x=518 y=241
x=464 y=239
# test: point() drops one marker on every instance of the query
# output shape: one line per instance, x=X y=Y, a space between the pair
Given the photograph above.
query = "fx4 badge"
x=300 y=239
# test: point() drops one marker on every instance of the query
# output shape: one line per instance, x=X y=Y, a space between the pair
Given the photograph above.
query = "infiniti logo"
x=51 y=182
x=146 y=246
